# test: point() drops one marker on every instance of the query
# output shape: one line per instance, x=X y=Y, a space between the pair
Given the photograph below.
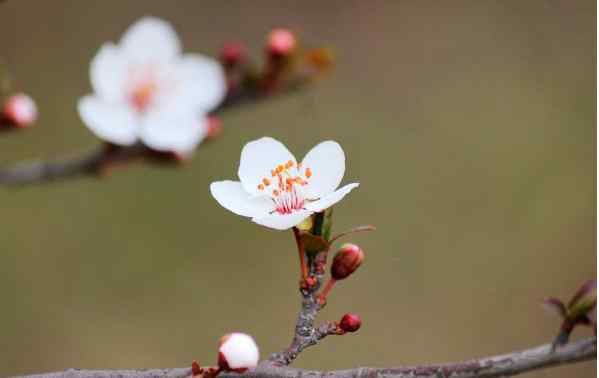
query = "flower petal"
x=178 y=132
x=112 y=122
x=202 y=81
x=232 y=196
x=283 y=221
x=152 y=39
x=326 y=162
x=331 y=199
x=258 y=158
x=108 y=73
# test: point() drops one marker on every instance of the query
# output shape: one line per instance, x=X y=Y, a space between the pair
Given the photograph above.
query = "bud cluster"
x=314 y=240
x=284 y=61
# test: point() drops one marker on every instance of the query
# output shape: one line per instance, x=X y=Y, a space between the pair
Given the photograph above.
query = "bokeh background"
x=470 y=125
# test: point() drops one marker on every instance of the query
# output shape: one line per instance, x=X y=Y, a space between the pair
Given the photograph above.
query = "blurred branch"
x=497 y=366
x=90 y=163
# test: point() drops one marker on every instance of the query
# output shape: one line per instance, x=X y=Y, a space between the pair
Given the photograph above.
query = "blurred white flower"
x=238 y=352
x=276 y=191
x=20 y=110
x=146 y=90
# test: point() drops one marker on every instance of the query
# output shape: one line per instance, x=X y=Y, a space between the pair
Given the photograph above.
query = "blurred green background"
x=470 y=125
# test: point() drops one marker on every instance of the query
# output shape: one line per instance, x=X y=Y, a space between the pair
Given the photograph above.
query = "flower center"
x=286 y=186
x=143 y=87
x=142 y=96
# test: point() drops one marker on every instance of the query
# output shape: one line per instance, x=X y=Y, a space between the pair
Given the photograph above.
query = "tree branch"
x=497 y=366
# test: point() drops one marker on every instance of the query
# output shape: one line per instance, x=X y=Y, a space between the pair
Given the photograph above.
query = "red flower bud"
x=350 y=323
x=215 y=127
x=232 y=53
x=281 y=42
x=20 y=110
x=346 y=261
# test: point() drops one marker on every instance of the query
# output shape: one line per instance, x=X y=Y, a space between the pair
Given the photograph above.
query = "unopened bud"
x=281 y=42
x=214 y=127
x=232 y=53
x=20 y=110
x=350 y=323
x=346 y=261
x=195 y=368
x=237 y=352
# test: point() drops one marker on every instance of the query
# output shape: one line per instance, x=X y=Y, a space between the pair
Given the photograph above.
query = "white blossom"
x=278 y=192
x=146 y=90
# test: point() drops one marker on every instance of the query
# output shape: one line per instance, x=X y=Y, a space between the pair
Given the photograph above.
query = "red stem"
x=302 y=257
x=322 y=297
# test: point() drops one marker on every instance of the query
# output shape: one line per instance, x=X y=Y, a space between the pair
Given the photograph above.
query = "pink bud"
x=281 y=42
x=215 y=127
x=346 y=261
x=237 y=352
x=350 y=323
x=232 y=53
x=20 y=110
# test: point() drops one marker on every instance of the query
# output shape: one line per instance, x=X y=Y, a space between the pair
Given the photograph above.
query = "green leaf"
x=313 y=243
x=327 y=224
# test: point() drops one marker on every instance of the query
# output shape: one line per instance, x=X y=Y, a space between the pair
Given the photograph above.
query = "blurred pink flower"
x=146 y=90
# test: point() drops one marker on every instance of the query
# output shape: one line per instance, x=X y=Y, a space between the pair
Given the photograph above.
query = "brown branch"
x=497 y=366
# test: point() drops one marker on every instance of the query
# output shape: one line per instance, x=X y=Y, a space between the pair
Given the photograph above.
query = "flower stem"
x=322 y=297
x=302 y=254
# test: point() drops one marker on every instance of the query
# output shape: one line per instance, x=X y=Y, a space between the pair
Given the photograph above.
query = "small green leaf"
x=313 y=243
x=327 y=224
x=581 y=309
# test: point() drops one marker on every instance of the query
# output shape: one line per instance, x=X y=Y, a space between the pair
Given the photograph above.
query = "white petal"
x=108 y=73
x=151 y=39
x=283 y=221
x=202 y=81
x=258 y=158
x=326 y=161
x=178 y=132
x=331 y=199
x=240 y=351
x=231 y=196
x=112 y=122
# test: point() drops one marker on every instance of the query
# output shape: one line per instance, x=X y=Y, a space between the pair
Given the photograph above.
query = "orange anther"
x=261 y=187
x=308 y=172
x=280 y=168
x=266 y=181
x=273 y=172
x=289 y=164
